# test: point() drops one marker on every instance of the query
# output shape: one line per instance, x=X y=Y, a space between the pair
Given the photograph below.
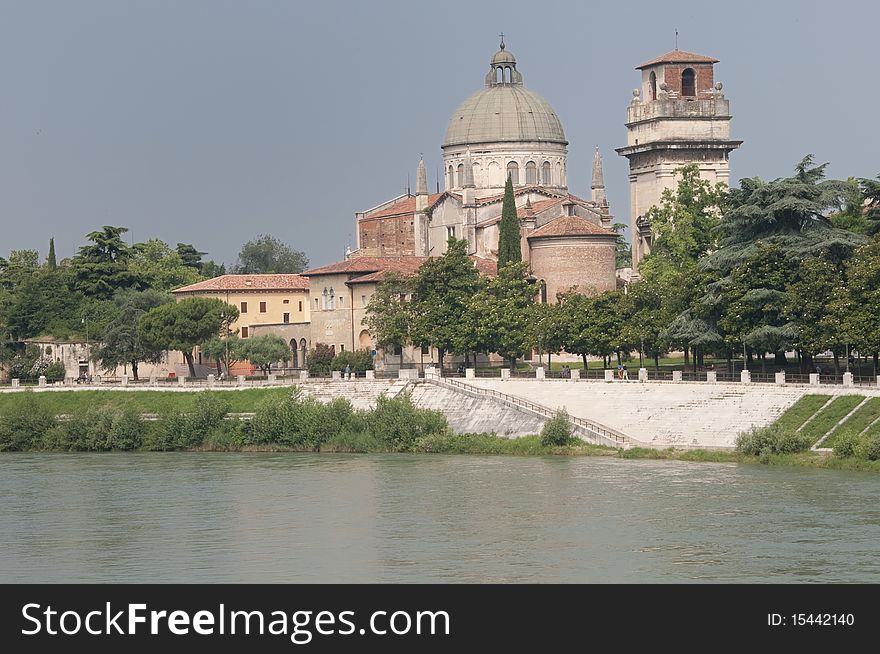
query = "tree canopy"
x=266 y=254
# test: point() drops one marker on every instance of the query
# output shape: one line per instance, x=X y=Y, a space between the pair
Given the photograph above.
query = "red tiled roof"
x=374 y=269
x=538 y=207
x=679 y=57
x=571 y=226
x=402 y=207
x=248 y=283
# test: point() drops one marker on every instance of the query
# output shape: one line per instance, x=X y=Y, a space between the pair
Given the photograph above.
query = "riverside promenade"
x=632 y=413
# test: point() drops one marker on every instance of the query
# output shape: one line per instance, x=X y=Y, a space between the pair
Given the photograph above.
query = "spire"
x=598 y=185
x=468 y=170
x=421 y=179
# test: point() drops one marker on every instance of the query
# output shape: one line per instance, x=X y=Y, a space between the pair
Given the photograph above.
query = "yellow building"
x=262 y=301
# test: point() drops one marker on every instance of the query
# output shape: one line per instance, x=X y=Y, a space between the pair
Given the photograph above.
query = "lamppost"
x=85 y=321
x=641 y=364
x=226 y=342
x=745 y=358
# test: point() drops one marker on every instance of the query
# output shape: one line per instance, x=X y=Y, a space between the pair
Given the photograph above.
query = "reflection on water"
x=401 y=518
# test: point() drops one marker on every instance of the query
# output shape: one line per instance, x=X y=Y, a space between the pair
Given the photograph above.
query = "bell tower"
x=678 y=116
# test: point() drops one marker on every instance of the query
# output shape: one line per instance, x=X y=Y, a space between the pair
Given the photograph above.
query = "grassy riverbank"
x=72 y=402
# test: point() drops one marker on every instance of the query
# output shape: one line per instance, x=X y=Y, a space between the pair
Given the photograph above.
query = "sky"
x=210 y=122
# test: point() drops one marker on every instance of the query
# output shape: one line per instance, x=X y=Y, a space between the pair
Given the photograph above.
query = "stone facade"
x=679 y=116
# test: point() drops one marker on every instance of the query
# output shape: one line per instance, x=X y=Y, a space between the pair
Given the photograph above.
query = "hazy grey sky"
x=212 y=121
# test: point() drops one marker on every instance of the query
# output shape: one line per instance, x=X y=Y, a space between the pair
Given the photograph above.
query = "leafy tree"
x=504 y=309
x=548 y=328
x=858 y=306
x=684 y=225
x=212 y=269
x=319 y=359
x=509 y=236
x=265 y=350
x=593 y=325
x=359 y=361
x=189 y=256
x=226 y=351
x=51 y=263
x=102 y=268
x=266 y=254
x=442 y=294
x=622 y=248
x=120 y=344
x=184 y=325
x=389 y=316
x=645 y=317
x=788 y=213
x=160 y=267
x=812 y=308
x=754 y=299
x=871 y=204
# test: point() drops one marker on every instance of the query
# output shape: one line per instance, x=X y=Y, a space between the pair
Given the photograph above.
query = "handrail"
x=589 y=425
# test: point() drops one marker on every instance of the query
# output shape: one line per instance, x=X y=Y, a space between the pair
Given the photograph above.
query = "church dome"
x=504 y=111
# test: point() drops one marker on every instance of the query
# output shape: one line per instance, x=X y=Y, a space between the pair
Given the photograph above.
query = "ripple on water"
x=396 y=518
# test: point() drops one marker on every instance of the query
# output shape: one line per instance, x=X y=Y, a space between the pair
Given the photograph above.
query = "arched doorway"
x=302 y=352
x=294 y=354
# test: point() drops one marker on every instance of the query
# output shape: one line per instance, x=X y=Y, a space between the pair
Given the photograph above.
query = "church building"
x=503 y=130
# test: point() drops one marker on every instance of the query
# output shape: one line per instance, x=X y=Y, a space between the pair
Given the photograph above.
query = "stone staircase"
x=661 y=414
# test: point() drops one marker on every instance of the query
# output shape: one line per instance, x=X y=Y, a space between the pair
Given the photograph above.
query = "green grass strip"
x=858 y=421
x=801 y=411
x=63 y=402
x=830 y=416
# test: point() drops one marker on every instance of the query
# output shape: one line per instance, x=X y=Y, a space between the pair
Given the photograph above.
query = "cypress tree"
x=509 y=249
x=50 y=258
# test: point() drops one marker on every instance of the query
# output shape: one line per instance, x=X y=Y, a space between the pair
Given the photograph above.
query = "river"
x=182 y=517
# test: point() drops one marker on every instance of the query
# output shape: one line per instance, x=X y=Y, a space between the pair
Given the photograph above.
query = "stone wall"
x=583 y=261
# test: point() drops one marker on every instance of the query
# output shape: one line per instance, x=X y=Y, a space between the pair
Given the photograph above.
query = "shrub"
x=399 y=423
x=557 y=430
x=353 y=441
x=763 y=441
x=178 y=430
x=299 y=422
x=54 y=371
x=360 y=361
x=319 y=360
x=846 y=444
x=869 y=448
x=23 y=425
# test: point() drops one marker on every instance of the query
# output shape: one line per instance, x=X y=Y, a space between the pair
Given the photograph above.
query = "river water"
x=181 y=517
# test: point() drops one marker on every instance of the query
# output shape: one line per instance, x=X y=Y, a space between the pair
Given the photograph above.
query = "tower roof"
x=678 y=57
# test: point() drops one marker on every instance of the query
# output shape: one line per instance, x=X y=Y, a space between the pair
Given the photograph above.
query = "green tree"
x=102 y=268
x=226 y=351
x=593 y=325
x=189 y=256
x=811 y=307
x=857 y=307
x=548 y=328
x=442 y=294
x=788 y=213
x=265 y=350
x=754 y=298
x=359 y=361
x=622 y=248
x=509 y=236
x=212 y=269
x=120 y=344
x=184 y=325
x=51 y=263
x=266 y=254
x=684 y=224
x=389 y=315
x=319 y=359
x=160 y=267
x=505 y=309
x=871 y=204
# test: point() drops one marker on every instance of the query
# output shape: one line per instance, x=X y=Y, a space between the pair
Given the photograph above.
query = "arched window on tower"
x=499 y=75
x=688 y=83
x=545 y=174
x=324 y=295
x=332 y=300
x=513 y=172
x=450 y=182
x=653 y=83
x=461 y=174
x=543 y=285
x=531 y=173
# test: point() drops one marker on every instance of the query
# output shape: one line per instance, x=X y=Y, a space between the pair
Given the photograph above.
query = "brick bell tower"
x=679 y=116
